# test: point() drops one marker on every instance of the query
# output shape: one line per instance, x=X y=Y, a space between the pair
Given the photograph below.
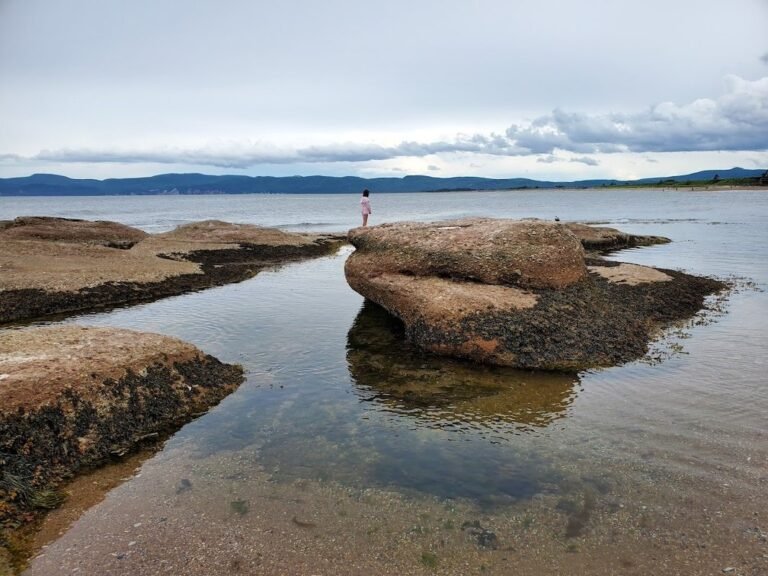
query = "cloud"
x=247 y=155
x=551 y=159
x=764 y=58
x=736 y=121
x=585 y=160
x=433 y=168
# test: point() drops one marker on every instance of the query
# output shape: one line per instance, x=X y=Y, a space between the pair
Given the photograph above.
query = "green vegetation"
x=700 y=184
x=429 y=559
x=239 y=506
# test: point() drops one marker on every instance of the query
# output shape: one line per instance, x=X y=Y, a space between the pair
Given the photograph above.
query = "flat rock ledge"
x=520 y=293
x=58 y=266
x=74 y=397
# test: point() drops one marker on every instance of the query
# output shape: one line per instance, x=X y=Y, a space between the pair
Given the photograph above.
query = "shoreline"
x=628 y=187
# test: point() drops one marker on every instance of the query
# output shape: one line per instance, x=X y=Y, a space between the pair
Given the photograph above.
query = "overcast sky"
x=550 y=89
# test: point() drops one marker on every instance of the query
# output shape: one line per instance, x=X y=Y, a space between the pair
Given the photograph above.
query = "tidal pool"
x=349 y=452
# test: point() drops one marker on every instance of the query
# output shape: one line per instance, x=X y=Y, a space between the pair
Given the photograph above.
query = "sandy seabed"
x=221 y=515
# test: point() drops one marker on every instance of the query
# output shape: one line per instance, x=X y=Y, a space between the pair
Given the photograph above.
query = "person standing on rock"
x=365 y=205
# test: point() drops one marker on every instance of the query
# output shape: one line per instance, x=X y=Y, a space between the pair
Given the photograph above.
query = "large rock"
x=72 y=397
x=55 y=265
x=516 y=293
x=524 y=253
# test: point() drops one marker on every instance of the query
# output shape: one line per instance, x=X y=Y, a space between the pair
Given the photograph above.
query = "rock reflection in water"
x=447 y=393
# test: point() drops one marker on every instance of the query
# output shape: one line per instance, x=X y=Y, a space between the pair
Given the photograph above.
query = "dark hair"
x=365 y=192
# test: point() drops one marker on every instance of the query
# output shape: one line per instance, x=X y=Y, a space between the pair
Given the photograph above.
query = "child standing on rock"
x=365 y=205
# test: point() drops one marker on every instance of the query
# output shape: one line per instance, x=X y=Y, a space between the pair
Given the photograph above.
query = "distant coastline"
x=190 y=184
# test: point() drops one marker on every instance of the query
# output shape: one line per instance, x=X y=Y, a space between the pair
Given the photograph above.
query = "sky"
x=546 y=89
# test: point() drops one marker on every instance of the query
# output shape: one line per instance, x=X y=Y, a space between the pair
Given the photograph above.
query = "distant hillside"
x=707 y=175
x=54 y=185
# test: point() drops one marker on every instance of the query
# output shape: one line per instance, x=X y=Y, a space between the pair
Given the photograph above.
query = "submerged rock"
x=517 y=293
x=72 y=397
x=443 y=392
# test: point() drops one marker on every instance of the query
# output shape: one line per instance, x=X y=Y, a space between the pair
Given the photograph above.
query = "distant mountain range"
x=54 y=185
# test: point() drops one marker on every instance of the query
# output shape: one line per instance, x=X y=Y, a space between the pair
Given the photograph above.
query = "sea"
x=336 y=401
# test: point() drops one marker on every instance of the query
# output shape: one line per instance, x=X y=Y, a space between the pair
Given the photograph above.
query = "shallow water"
x=334 y=395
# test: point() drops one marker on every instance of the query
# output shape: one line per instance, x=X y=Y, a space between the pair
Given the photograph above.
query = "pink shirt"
x=365 y=204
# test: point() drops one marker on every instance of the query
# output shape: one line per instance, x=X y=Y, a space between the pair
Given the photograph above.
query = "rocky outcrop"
x=98 y=233
x=526 y=254
x=602 y=239
x=516 y=293
x=54 y=265
x=72 y=397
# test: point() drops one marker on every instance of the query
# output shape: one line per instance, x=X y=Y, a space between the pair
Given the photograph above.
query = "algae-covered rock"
x=55 y=266
x=72 y=397
x=601 y=238
x=518 y=293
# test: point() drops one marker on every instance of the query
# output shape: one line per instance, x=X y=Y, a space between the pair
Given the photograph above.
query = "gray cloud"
x=585 y=160
x=253 y=155
x=433 y=168
x=737 y=121
x=764 y=58
x=552 y=159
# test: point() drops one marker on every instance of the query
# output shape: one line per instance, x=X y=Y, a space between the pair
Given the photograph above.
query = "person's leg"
x=365 y=219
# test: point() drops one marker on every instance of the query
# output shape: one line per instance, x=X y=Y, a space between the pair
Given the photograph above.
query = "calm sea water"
x=334 y=394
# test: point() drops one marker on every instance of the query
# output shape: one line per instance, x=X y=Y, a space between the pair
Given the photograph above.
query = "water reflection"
x=443 y=393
